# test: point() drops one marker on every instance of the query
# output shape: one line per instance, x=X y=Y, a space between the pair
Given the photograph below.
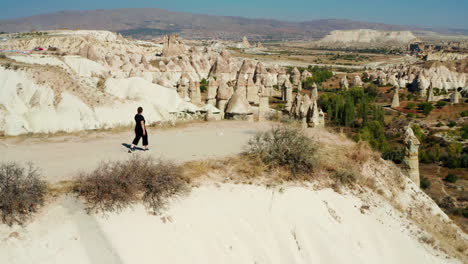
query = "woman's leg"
x=135 y=141
x=145 y=140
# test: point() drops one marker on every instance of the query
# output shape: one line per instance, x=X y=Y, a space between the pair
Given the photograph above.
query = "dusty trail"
x=60 y=158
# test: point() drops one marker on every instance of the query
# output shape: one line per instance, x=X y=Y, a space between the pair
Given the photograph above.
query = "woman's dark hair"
x=140 y=110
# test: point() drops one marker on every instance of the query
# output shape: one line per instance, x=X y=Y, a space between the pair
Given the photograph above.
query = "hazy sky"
x=426 y=13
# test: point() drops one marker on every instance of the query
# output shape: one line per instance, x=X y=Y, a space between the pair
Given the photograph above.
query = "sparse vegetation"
x=113 y=186
x=284 y=146
x=203 y=85
x=452 y=178
x=22 y=192
x=425 y=108
x=425 y=183
x=441 y=104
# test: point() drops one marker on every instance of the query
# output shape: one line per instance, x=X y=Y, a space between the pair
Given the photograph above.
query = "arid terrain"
x=346 y=142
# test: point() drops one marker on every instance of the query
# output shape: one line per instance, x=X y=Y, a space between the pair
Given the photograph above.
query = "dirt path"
x=60 y=158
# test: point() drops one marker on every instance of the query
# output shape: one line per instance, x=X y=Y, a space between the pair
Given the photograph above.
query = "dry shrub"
x=113 y=186
x=161 y=181
x=345 y=177
x=361 y=152
x=22 y=192
x=195 y=169
x=284 y=146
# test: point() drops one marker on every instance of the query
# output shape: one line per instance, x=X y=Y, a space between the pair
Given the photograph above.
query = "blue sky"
x=426 y=13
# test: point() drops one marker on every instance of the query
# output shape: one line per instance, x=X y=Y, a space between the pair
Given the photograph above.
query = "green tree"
x=425 y=108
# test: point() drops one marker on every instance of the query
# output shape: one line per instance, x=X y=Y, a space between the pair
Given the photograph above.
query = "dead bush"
x=161 y=181
x=22 y=192
x=286 y=147
x=113 y=186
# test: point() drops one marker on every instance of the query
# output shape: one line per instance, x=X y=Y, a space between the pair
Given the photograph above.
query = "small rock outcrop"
x=455 y=97
x=411 y=161
x=315 y=116
x=172 y=46
x=344 y=85
x=396 y=98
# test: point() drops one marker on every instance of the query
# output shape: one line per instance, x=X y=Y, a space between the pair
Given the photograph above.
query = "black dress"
x=139 y=130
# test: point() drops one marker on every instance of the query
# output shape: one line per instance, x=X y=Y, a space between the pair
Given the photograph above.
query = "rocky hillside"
x=151 y=22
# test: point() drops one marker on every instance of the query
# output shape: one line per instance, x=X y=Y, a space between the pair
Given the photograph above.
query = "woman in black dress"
x=140 y=130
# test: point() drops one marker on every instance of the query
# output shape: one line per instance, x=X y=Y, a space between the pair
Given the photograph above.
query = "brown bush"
x=22 y=193
x=161 y=180
x=345 y=177
x=114 y=186
x=285 y=146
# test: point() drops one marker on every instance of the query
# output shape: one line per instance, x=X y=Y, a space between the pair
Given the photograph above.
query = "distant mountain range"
x=146 y=23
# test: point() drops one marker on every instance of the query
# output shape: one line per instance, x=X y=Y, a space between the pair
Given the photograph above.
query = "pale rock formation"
x=357 y=81
x=455 y=97
x=211 y=113
x=287 y=94
x=260 y=72
x=296 y=78
x=89 y=52
x=402 y=82
x=344 y=85
x=238 y=107
x=382 y=78
x=430 y=94
x=411 y=161
x=245 y=42
x=263 y=105
x=315 y=116
x=423 y=85
x=314 y=93
x=305 y=105
x=183 y=87
x=212 y=91
x=305 y=74
x=392 y=80
x=396 y=99
x=222 y=69
x=252 y=91
x=296 y=106
x=282 y=76
x=194 y=92
x=172 y=46
x=224 y=94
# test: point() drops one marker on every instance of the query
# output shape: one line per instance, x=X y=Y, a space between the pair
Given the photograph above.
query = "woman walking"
x=140 y=131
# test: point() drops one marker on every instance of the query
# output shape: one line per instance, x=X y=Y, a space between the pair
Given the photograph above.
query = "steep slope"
x=382 y=218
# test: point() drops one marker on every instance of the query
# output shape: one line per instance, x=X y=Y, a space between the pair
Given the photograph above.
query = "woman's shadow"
x=128 y=147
